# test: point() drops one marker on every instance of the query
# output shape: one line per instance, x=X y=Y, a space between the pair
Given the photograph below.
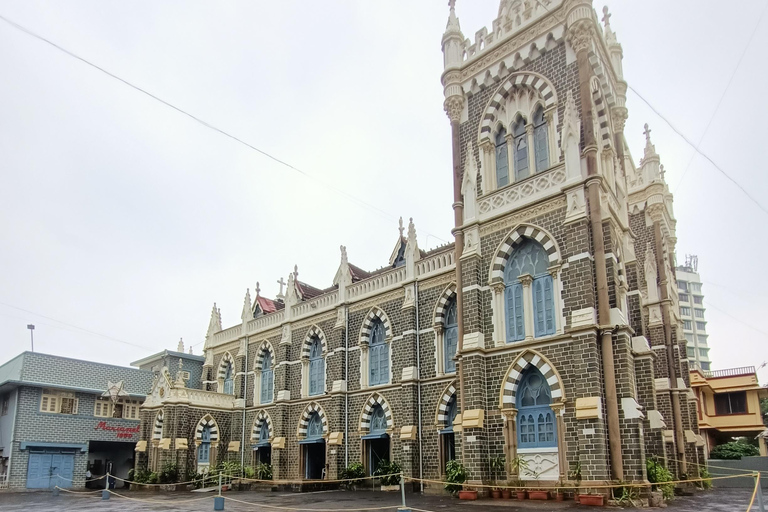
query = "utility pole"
x=31 y=328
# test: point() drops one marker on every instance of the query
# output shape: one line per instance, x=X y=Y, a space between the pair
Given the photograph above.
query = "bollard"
x=218 y=503
x=56 y=490
x=105 y=492
x=759 y=490
x=404 y=508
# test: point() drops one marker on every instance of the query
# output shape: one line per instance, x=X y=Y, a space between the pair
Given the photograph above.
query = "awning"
x=448 y=430
x=263 y=444
x=26 y=445
x=382 y=435
x=314 y=440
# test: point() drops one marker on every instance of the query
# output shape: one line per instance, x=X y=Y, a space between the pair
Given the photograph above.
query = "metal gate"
x=50 y=468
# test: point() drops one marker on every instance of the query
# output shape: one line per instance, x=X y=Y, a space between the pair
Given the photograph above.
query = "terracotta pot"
x=506 y=494
x=520 y=495
x=538 y=495
x=592 y=499
x=467 y=495
x=495 y=494
x=559 y=496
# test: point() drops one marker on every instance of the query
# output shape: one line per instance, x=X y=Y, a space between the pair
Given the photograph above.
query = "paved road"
x=722 y=500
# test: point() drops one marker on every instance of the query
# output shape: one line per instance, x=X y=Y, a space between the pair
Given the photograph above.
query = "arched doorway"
x=447 y=435
x=376 y=442
x=262 y=450
x=313 y=449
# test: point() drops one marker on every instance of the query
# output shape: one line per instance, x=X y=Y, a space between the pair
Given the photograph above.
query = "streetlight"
x=31 y=328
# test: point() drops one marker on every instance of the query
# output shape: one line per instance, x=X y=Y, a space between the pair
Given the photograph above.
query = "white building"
x=692 y=313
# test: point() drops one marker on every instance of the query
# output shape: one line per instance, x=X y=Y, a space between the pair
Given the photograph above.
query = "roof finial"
x=295 y=271
x=662 y=171
x=258 y=289
x=190 y=350
x=647 y=133
x=411 y=230
x=180 y=346
x=401 y=228
x=344 y=259
x=282 y=283
x=606 y=18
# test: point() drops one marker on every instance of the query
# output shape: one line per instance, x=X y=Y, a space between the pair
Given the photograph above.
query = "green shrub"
x=658 y=474
x=456 y=474
x=389 y=472
x=354 y=471
x=230 y=468
x=169 y=474
x=152 y=478
x=734 y=450
x=263 y=471
x=707 y=482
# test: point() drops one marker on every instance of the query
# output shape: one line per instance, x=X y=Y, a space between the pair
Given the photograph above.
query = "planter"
x=506 y=494
x=390 y=488
x=559 y=496
x=168 y=487
x=592 y=499
x=520 y=495
x=538 y=495
x=467 y=495
x=495 y=494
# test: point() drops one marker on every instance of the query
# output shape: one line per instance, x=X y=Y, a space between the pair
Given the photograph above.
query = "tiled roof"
x=358 y=273
x=268 y=305
x=308 y=291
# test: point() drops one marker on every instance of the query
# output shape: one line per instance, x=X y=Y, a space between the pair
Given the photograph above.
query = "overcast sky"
x=125 y=218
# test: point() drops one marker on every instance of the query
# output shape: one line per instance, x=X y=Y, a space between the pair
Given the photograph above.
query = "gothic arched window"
x=264 y=433
x=316 y=367
x=229 y=382
x=204 y=450
x=378 y=354
x=378 y=420
x=451 y=336
x=540 y=140
x=502 y=159
x=536 y=419
x=314 y=426
x=521 y=149
x=267 y=378
x=530 y=259
x=450 y=413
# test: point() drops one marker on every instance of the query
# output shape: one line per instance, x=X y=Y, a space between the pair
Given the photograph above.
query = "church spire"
x=247 y=313
x=453 y=39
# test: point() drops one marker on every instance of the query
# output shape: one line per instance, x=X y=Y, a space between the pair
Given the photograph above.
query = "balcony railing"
x=730 y=372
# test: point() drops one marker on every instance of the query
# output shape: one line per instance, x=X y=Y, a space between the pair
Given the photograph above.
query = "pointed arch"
x=264 y=349
x=207 y=421
x=365 y=414
x=515 y=238
x=304 y=420
x=313 y=332
x=223 y=365
x=365 y=329
x=541 y=89
x=602 y=117
x=508 y=391
x=442 y=406
x=442 y=304
x=157 y=429
x=261 y=418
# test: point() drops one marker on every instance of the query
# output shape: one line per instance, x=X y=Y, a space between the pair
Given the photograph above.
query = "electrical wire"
x=709 y=304
x=206 y=124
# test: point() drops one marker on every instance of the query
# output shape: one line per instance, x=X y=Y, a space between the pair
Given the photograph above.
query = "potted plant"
x=519 y=488
x=560 y=490
x=538 y=493
x=518 y=465
x=497 y=467
x=390 y=475
x=455 y=475
x=353 y=475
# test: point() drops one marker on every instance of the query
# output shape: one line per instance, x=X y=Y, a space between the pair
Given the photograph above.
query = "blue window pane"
x=520 y=150
x=544 y=305
x=315 y=426
x=229 y=384
x=378 y=355
x=451 y=337
x=515 y=312
x=267 y=379
x=204 y=450
x=502 y=159
x=540 y=142
x=316 y=368
x=536 y=427
x=378 y=420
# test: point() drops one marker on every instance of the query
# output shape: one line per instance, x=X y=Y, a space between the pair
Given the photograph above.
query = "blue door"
x=47 y=470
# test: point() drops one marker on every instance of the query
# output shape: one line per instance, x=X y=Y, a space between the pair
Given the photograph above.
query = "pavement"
x=719 y=500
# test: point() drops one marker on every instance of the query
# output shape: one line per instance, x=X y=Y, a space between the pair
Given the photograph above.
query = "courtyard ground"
x=718 y=500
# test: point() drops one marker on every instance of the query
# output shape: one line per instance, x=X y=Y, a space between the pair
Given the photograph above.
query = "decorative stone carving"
x=580 y=35
x=453 y=107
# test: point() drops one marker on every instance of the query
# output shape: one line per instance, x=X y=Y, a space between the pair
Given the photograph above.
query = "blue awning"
x=314 y=440
x=381 y=435
x=263 y=444
x=25 y=445
x=448 y=430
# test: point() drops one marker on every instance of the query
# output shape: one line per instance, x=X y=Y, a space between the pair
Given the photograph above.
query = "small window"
x=685 y=311
x=316 y=367
x=705 y=365
x=691 y=351
x=102 y=408
x=731 y=403
x=502 y=159
x=378 y=354
x=689 y=338
x=688 y=325
x=267 y=378
x=229 y=382
x=68 y=406
x=378 y=420
x=703 y=352
x=683 y=297
x=49 y=403
x=703 y=340
x=699 y=313
x=695 y=287
x=701 y=326
x=540 y=140
x=698 y=299
x=204 y=450
x=682 y=286
x=131 y=409
x=451 y=337
x=314 y=426
x=521 y=149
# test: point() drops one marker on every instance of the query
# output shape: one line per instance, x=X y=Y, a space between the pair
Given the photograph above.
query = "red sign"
x=122 y=432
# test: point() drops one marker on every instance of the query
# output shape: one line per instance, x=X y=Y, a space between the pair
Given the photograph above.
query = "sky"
x=124 y=220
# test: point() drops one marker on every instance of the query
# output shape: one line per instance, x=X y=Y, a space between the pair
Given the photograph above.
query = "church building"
x=549 y=330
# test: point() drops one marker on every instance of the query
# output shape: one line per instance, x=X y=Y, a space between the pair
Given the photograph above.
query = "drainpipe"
x=580 y=35
x=670 y=350
x=346 y=392
x=245 y=402
x=13 y=433
x=418 y=386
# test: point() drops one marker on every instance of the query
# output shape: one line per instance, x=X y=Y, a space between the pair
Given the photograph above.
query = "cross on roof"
x=647 y=132
x=452 y=4
x=606 y=17
x=282 y=283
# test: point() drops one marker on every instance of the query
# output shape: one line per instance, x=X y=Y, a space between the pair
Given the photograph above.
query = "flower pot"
x=592 y=499
x=538 y=495
x=467 y=495
x=390 y=488
x=506 y=494
x=559 y=496
x=520 y=495
x=495 y=494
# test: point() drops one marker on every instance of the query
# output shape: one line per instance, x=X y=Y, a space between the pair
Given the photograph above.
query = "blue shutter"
x=549 y=305
x=451 y=342
x=384 y=363
x=538 y=307
x=521 y=157
x=541 y=147
x=515 y=312
x=373 y=364
x=502 y=164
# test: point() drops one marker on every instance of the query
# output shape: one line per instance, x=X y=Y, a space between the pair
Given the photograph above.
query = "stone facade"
x=603 y=336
